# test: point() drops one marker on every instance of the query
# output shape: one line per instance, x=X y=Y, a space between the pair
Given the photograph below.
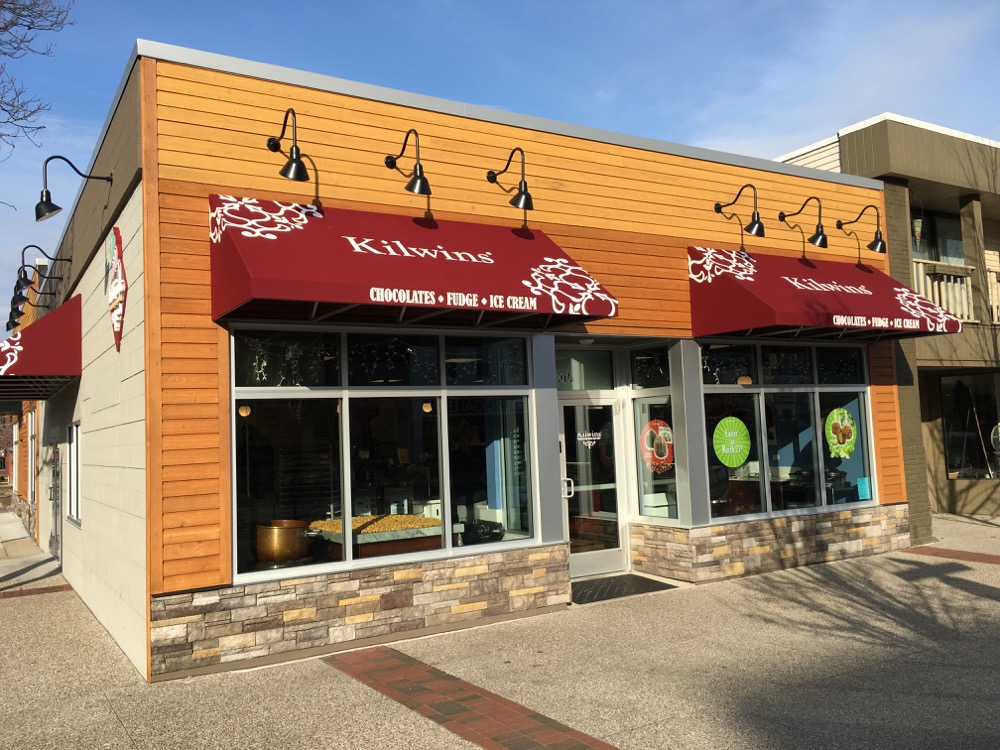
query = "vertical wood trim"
x=154 y=339
x=225 y=453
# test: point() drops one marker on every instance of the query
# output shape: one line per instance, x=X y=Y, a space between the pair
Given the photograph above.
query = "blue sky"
x=753 y=77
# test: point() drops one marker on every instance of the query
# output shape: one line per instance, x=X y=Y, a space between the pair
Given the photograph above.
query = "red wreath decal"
x=656 y=446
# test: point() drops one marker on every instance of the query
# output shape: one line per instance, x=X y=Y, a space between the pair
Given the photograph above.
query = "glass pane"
x=584 y=370
x=488 y=476
x=791 y=448
x=840 y=365
x=728 y=364
x=972 y=435
x=845 y=448
x=651 y=368
x=655 y=450
x=285 y=358
x=787 y=365
x=484 y=361
x=392 y=360
x=395 y=470
x=590 y=464
x=287 y=477
x=949 y=240
x=736 y=486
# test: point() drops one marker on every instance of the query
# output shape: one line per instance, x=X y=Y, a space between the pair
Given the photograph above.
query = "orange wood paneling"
x=887 y=435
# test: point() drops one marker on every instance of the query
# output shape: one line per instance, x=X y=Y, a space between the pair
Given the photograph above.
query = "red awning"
x=734 y=292
x=37 y=361
x=286 y=260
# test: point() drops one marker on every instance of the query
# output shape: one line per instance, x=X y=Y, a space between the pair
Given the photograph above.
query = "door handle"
x=569 y=488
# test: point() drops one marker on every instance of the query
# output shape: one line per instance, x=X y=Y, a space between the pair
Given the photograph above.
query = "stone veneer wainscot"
x=240 y=626
x=725 y=550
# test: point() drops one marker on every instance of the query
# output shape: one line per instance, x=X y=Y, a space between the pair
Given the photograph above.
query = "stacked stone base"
x=243 y=625
x=726 y=550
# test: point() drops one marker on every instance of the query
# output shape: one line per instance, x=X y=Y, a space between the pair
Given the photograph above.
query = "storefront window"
x=392 y=360
x=736 y=486
x=817 y=446
x=488 y=469
x=286 y=358
x=287 y=476
x=651 y=368
x=395 y=475
x=655 y=448
x=304 y=465
x=971 y=430
x=845 y=452
x=791 y=445
x=584 y=370
x=480 y=361
x=729 y=364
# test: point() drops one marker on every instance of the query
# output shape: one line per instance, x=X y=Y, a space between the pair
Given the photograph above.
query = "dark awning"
x=291 y=261
x=37 y=361
x=735 y=292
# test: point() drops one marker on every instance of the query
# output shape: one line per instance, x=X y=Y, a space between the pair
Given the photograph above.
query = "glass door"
x=592 y=487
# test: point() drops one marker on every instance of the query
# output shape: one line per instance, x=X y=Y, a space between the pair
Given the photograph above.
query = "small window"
x=584 y=370
x=728 y=364
x=392 y=360
x=651 y=368
x=73 y=472
x=787 y=365
x=840 y=365
x=286 y=359
x=485 y=361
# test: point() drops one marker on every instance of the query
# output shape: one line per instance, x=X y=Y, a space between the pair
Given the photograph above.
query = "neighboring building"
x=310 y=415
x=942 y=217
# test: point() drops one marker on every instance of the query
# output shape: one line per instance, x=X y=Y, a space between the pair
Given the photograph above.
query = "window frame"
x=346 y=393
x=73 y=467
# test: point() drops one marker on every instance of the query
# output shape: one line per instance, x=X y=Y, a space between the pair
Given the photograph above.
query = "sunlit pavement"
x=895 y=651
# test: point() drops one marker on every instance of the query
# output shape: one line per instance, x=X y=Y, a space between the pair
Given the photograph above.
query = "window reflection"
x=656 y=462
x=791 y=445
x=485 y=361
x=651 y=368
x=286 y=358
x=728 y=364
x=736 y=486
x=845 y=452
x=392 y=360
x=787 y=365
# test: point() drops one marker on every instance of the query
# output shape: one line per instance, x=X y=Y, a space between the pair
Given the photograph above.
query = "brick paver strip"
x=487 y=719
x=955 y=554
x=10 y=594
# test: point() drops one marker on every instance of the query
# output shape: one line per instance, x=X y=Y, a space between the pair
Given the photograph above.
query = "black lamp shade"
x=15 y=313
x=878 y=244
x=11 y=325
x=294 y=168
x=818 y=239
x=523 y=198
x=45 y=208
x=756 y=227
x=23 y=282
x=18 y=299
x=418 y=184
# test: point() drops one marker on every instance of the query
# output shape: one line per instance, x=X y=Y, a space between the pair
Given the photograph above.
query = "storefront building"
x=318 y=413
x=943 y=225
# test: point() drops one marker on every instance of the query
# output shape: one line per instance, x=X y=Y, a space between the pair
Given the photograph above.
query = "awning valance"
x=37 y=361
x=292 y=261
x=735 y=292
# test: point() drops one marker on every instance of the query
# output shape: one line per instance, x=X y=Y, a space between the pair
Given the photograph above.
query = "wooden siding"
x=625 y=214
x=886 y=433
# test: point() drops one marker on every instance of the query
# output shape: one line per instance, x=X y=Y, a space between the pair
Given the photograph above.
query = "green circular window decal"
x=731 y=441
x=841 y=433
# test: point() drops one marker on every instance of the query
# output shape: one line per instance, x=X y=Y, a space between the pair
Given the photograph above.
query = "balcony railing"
x=950 y=286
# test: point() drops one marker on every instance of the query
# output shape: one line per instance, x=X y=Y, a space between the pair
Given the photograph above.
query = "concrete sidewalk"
x=899 y=650
x=23 y=566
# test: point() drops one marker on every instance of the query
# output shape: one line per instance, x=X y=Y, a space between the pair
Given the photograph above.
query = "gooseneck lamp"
x=23 y=282
x=756 y=227
x=522 y=199
x=819 y=237
x=877 y=245
x=294 y=168
x=418 y=184
x=45 y=208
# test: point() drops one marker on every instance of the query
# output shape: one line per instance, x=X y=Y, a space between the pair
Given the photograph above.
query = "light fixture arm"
x=45 y=176
x=782 y=216
x=36 y=247
x=26 y=266
x=390 y=161
x=720 y=206
x=274 y=144
x=878 y=218
x=492 y=176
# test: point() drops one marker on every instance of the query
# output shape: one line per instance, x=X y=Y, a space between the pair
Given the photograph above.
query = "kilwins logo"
x=590 y=439
x=399 y=250
x=815 y=286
